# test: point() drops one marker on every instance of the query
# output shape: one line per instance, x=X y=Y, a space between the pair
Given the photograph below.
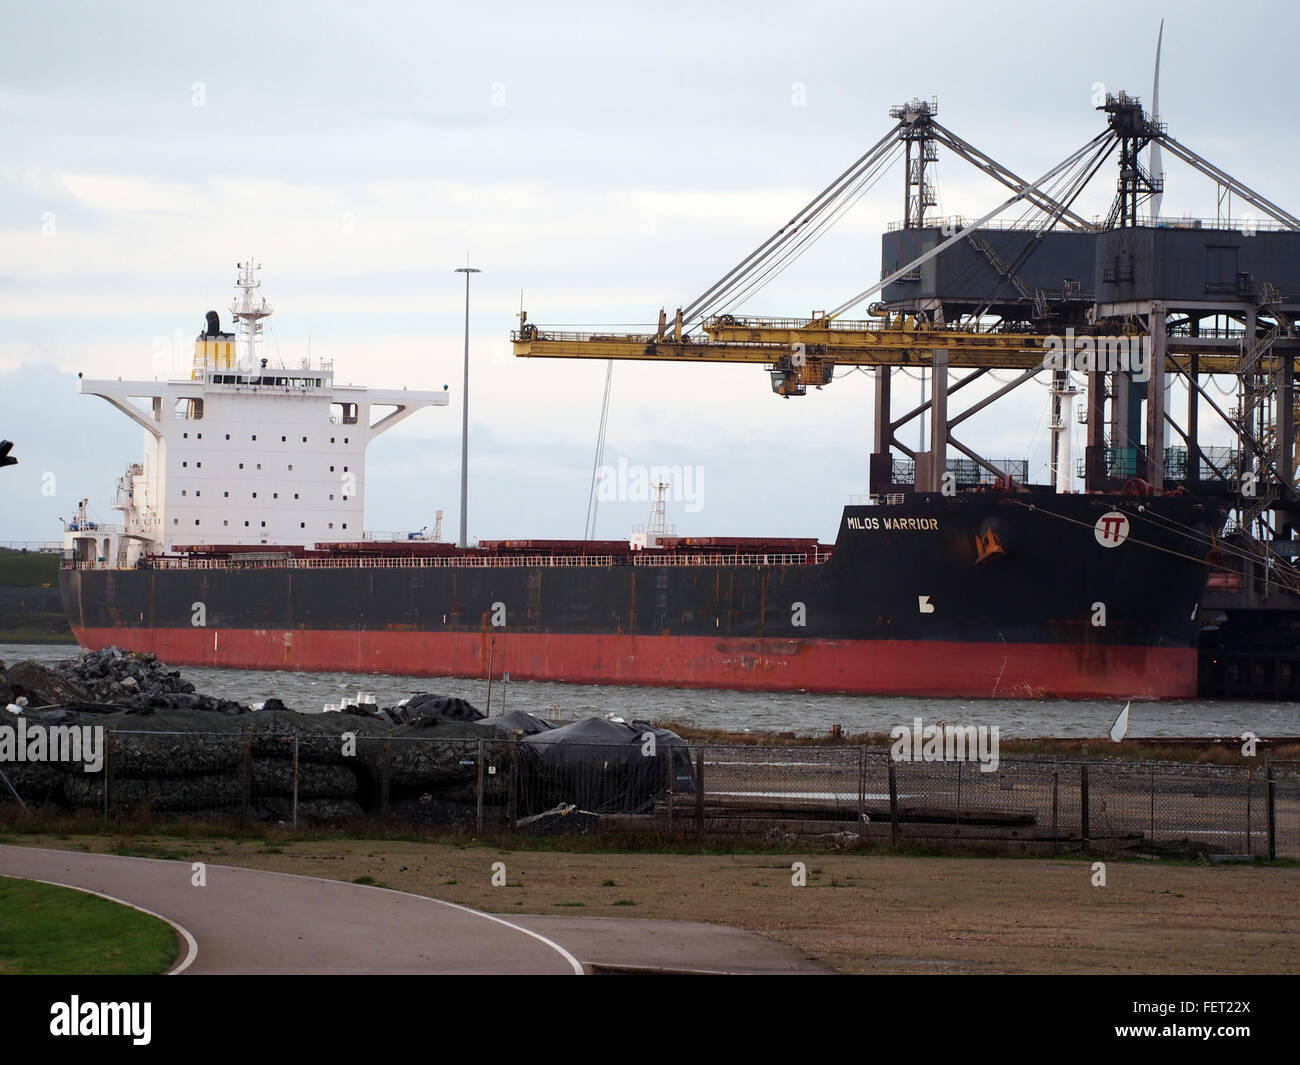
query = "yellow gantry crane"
x=803 y=352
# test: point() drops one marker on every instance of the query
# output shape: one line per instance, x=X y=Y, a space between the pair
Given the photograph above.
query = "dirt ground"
x=857 y=913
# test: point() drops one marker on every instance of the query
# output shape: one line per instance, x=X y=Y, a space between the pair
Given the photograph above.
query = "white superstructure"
x=243 y=453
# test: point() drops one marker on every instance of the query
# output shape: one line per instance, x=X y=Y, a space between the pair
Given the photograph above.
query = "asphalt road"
x=251 y=921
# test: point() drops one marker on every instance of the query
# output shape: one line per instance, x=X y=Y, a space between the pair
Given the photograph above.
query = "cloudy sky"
x=597 y=161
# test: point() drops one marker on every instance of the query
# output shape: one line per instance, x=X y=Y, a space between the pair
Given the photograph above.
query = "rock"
x=41 y=685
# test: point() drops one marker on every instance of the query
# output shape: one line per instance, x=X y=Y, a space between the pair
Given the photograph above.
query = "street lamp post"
x=464 y=420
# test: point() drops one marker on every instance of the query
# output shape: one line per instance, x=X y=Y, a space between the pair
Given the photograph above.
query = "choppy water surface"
x=804 y=714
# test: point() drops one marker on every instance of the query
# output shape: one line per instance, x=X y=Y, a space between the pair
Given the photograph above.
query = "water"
x=803 y=714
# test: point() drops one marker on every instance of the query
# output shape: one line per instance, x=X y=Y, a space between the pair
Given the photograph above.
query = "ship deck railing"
x=461 y=561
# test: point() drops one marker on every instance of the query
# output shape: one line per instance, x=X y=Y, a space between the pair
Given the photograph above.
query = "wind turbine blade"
x=1157 y=164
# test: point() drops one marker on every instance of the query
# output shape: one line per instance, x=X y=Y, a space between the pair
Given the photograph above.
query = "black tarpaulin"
x=602 y=766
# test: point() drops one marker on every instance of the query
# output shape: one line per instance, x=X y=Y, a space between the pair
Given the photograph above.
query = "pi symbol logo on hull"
x=1111 y=529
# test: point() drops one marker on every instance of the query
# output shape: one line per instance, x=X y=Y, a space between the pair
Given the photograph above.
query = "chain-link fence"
x=662 y=784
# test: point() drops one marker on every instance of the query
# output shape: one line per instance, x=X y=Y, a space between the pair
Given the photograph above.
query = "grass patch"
x=55 y=930
x=28 y=569
x=40 y=636
x=180 y=839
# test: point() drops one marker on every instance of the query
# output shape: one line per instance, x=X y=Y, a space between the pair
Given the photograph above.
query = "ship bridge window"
x=343 y=413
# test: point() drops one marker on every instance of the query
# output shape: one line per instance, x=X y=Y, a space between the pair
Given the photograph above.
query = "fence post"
x=959 y=798
x=1250 y=848
x=669 y=799
x=1083 y=805
x=1269 y=797
x=893 y=801
x=479 y=789
x=512 y=796
x=294 y=821
x=862 y=792
x=1056 y=811
x=386 y=774
x=699 y=791
x=108 y=767
x=246 y=776
x=1152 y=830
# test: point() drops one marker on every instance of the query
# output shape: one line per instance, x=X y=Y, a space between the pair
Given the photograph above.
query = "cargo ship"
x=242 y=546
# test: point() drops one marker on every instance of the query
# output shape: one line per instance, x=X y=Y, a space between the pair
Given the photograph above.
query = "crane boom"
x=806 y=347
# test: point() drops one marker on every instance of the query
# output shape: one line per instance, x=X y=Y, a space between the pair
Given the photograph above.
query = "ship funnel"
x=213 y=349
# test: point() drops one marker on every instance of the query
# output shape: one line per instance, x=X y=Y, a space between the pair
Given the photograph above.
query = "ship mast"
x=248 y=310
x=657 y=526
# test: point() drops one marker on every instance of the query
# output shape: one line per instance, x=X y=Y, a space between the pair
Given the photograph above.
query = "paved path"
x=252 y=921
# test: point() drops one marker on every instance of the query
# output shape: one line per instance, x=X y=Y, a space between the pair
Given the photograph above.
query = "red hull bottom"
x=863 y=667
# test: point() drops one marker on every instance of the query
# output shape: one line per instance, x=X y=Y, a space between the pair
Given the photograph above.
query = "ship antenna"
x=656 y=528
x=248 y=309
